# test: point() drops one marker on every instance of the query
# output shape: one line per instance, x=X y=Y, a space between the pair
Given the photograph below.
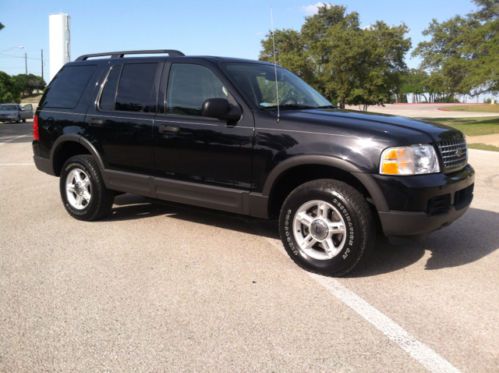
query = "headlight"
x=409 y=160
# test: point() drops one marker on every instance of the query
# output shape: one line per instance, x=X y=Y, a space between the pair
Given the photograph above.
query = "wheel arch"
x=291 y=173
x=69 y=145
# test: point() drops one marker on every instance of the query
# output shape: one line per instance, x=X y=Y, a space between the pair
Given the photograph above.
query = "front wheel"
x=326 y=227
x=82 y=188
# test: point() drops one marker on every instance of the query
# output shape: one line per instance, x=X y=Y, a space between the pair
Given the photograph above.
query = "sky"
x=217 y=27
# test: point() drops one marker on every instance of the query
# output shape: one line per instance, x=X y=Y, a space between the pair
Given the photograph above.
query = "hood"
x=404 y=130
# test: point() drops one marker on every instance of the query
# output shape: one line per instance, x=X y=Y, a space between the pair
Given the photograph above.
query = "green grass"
x=484 y=108
x=470 y=126
x=484 y=147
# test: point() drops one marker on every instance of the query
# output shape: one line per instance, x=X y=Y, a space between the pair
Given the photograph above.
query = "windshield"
x=8 y=107
x=258 y=83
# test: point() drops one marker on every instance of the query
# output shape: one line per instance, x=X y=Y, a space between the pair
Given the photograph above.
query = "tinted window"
x=189 y=86
x=108 y=95
x=136 y=89
x=68 y=86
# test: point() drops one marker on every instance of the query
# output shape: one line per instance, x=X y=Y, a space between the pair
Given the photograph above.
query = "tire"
x=88 y=199
x=24 y=120
x=327 y=227
x=18 y=120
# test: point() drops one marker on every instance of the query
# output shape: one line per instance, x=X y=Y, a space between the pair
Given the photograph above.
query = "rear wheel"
x=326 y=227
x=82 y=188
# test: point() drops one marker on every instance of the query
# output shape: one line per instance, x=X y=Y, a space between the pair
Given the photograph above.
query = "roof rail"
x=121 y=54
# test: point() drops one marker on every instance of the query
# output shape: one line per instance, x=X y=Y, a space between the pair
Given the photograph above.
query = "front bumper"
x=424 y=203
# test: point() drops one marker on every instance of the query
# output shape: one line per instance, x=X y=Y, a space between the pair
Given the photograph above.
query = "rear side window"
x=137 y=88
x=65 y=91
x=108 y=95
x=189 y=86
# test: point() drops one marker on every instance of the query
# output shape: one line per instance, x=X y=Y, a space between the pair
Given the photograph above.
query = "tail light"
x=36 y=132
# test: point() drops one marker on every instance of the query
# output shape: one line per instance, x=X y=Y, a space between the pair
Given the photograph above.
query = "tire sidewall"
x=354 y=243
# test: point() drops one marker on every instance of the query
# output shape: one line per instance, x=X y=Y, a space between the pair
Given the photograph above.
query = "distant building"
x=59 y=42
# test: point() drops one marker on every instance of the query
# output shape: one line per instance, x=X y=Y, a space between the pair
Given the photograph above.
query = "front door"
x=194 y=148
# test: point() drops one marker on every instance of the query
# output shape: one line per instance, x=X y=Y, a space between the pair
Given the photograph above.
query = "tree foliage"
x=13 y=88
x=8 y=92
x=346 y=63
x=26 y=84
x=464 y=51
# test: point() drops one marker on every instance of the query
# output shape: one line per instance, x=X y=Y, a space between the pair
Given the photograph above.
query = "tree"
x=465 y=50
x=26 y=84
x=8 y=92
x=346 y=63
x=1 y=25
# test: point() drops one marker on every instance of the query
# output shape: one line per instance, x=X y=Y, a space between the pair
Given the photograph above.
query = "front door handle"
x=163 y=128
x=96 y=122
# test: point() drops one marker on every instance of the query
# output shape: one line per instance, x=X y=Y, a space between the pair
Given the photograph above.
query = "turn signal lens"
x=409 y=160
x=36 y=132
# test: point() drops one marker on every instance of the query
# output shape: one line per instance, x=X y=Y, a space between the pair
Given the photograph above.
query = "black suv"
x=251 y=138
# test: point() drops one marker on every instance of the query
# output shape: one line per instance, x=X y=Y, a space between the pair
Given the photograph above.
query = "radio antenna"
x=275 y=65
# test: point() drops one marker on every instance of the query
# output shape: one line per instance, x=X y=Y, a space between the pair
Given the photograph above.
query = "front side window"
x=258 y=83
x=137 y=88
x=189 y=85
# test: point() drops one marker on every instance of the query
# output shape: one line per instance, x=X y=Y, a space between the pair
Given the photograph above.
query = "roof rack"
x=121 y=54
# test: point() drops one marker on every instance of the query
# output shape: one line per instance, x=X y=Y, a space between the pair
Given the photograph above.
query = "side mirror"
x=221 y=108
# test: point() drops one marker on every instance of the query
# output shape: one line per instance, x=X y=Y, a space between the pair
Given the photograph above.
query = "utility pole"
x=42 y=62
x=26 y=62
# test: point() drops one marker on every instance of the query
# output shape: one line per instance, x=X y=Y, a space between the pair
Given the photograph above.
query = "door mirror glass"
x=220 y=108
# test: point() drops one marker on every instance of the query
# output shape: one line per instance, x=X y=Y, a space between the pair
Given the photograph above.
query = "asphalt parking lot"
x=163 y=287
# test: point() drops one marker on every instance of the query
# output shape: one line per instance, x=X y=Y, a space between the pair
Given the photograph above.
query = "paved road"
x=160 y=287
x=424 y=111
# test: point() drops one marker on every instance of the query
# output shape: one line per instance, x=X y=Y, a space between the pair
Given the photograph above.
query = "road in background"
x=161 y=286
x=423 y=111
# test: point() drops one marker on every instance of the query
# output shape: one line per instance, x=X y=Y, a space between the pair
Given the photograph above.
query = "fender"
x=82 y=141
x=364 y=178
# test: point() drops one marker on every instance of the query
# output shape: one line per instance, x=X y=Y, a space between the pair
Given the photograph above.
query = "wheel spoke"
x=85 y=182
x=305 y=219
x=70 y=188
x=86 y=196
x=308 y=242
x=336 y=227
x=329 y=246
x=322 y=210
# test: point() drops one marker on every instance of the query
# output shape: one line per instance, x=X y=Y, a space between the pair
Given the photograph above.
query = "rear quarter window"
x=68 y=86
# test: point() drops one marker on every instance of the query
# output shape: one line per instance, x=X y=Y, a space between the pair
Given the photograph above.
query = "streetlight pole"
x=26 y=62
x=41 y=55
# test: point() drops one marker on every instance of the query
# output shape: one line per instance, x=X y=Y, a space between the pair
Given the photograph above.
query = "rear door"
x=123 y=118
x=194 y=148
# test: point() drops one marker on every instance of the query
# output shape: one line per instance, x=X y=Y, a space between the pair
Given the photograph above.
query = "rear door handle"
x=163 y=128
x=96 y=122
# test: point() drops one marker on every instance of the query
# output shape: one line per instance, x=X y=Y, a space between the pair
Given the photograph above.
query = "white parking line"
x=420 y=352
x=12 y=139
x=17 y=164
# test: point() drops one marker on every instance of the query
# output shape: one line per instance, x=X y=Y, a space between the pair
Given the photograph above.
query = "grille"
x=454 y=154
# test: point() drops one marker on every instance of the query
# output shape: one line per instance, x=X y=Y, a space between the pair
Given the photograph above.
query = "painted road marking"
x=12 y=139
x=17 y=164
x=420 y=352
